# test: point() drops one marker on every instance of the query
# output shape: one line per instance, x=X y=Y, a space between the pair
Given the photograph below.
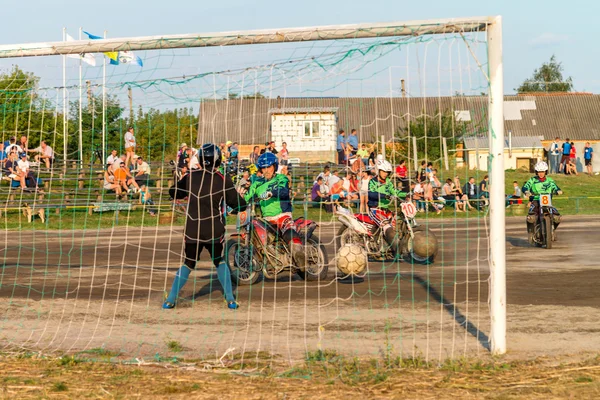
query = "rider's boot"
x=530 y=226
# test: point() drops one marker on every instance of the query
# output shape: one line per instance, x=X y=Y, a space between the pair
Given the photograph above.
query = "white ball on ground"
x=351 y=259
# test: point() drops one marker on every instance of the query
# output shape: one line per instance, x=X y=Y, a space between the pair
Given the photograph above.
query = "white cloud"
x=548 y=39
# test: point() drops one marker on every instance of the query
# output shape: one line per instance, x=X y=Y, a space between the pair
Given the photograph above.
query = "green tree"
x=547 y=78
x=429 y=131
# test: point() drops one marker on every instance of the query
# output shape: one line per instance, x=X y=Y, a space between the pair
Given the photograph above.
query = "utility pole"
x=130 y=95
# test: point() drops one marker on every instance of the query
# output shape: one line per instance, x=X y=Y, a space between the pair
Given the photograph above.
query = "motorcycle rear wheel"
x=317 y=270
x=244 y=270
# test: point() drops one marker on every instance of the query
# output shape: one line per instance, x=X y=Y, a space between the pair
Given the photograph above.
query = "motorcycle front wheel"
x=240 y=261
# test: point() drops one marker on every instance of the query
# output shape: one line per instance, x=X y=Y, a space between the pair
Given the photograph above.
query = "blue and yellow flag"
x=113 y=55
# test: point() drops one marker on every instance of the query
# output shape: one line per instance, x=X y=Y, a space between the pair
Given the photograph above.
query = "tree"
x=547 y=78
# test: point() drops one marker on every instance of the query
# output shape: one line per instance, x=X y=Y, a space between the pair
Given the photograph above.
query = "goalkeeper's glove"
x=265 y=196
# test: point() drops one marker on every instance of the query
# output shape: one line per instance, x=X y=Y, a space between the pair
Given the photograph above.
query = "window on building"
x=312 y=129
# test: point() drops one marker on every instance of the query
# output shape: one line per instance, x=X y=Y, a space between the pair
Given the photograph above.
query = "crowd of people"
x=16 y=166
x=562 y=157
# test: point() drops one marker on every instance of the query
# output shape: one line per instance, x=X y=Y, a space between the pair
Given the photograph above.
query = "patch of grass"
x=60 y=387
x=584 y=379
x=174 y=346
x=101 y=352
x=67 y=361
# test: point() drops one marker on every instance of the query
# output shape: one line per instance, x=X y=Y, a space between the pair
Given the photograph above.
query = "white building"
x=521 y=152
x=310 y=133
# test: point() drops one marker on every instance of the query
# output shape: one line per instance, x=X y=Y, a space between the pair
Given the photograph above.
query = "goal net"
x=86 y=265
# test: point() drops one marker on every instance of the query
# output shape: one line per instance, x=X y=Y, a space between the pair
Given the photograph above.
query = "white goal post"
x=491 y=25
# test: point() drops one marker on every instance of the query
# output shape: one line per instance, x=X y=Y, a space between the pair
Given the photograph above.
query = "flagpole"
x=65 y=100
x=104 y=107
x=80 y=108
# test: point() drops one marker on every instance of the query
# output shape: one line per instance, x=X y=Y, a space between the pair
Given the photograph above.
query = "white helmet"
x=541 y=166
x=383 y=165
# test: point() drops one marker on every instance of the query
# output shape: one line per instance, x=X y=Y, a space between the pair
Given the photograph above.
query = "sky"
x=533 y=30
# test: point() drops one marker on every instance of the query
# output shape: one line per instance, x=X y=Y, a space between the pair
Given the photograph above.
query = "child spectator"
x=146 y=199
x=363 y=191
x=284 y=154
x=516 y=195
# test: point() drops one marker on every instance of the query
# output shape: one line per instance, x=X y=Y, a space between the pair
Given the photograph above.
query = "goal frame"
x=491 y=25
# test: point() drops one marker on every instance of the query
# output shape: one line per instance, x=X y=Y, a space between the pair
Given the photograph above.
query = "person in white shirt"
x=24 y=167
x=363 y=190
x=555 y=154
x=46 y=154
x=12 y=146
x=112 y=158
x=142 y=172
x=129 y=146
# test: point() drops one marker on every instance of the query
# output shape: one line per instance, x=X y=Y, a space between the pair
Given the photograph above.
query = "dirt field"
x=84 y=290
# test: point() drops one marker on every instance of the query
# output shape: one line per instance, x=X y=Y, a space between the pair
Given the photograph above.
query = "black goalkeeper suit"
x=207 y=193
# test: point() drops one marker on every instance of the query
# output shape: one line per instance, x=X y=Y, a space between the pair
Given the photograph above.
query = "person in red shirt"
x=402 y=175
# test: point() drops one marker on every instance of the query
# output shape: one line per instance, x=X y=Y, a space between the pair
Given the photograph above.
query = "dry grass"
x=323 y=375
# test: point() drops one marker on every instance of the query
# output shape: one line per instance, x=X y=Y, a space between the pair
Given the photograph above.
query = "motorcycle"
x=254 y=250
x=362 y=230
x=542 y=234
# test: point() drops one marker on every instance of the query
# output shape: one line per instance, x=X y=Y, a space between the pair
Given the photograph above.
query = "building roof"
x=303 y=110
x=247 y=121
x=516 y=142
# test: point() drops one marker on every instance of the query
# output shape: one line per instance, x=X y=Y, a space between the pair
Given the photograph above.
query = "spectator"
x=516 y=195
x=123 y=177
x=182 y=149
x=350 y=187
x=271 y=148
x=431 y=198
x=129 y=146
x=363 y=191
x=7 y=142
x=142 y=172
x=422 y=172
x=588 y=154
x=484 y=192
x=109 y=181
x=450 y=196
x=243 y=183
x=112 y=158
x=555 y=155
x=317 y=194
x=2 y=156
x=23 y=143
x=353 y=141
x=192 y=157
x=461 y=194
x=418 y=195
x=566 y=153
x=46 y=154
x=325 y=174
x=363 y=154
x=13 y=170
x=183 y=158
x=146 y=199
x=433 y=179
x=24 y=166
x=284 y=154
x=233 y=152
x=333 y=179
x=572 y=167
x=13 y=145
x=341 y=146
x=254 y=155
x=470 y=189
x=266 y=149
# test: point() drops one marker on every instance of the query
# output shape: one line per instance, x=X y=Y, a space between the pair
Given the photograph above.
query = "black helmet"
x=210 y=156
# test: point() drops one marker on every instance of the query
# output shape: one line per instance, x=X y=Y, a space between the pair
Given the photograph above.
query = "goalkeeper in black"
x=208 y=193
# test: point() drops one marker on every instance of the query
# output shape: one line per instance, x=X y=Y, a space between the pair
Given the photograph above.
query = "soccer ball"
x=351 y=259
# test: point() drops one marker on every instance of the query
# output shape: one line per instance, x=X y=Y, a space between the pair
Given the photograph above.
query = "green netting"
x=88 y=273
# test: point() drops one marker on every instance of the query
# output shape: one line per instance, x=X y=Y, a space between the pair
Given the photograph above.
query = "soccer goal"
x=88 y=258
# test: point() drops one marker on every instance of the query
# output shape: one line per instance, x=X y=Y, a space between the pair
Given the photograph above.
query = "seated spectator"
x=123 y=177
x=24 y=166
x=472 y=192
x=13 y=170
x=325 y=175
x=23 y=143
x=13 y=145
x=418 y=195
x=110 y=183
x=110 y=160
x=433 y=179
x=3 y=157
x=46 y=154
x=401 y=176
x=571 y=167
x=515 y=196
x=363 y=154
x=484 y=192
x=431 y=198
x=462 y=196
x=193 y=162
x=243 y=184
x=146 y=199
x=318 y=194
x=142 y=171
x=450 y=195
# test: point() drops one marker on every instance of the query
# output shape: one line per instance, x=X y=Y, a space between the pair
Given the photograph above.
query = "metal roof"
x=518 y=142
x=248 y=121
x=303 y=110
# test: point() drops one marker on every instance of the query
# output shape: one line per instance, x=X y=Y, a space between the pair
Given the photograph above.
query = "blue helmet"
x=210 y=156
x=266 y=160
